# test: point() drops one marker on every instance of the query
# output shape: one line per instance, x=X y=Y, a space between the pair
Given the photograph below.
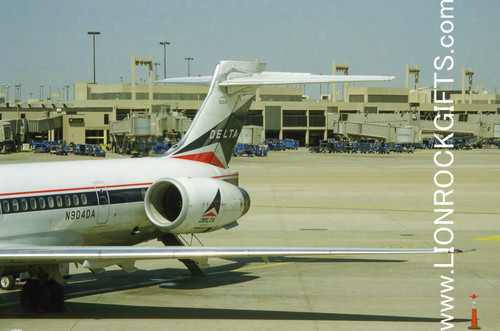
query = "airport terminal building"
x=99 y=113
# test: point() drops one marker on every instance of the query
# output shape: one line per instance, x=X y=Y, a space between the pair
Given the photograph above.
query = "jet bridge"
x=162 y=125
x=458 y=128
x=386 y=132
x=45 y=124
x=22 y=127
x=407 y=126
x=400 y=128
x=151 y=125
x=476 y=125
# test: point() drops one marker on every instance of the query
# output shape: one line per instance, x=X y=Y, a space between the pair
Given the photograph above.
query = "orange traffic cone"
x=473 y=322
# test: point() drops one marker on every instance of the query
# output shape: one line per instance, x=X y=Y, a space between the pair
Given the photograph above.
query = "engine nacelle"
x=194 y=205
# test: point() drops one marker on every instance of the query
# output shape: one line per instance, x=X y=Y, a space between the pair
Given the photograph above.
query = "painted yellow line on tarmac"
x=298 y=205
x=262 y=266
x=494 y=238
x=402 y=246
x=267 y=265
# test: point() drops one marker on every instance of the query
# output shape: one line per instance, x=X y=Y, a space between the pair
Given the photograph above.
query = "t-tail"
x=215 y=129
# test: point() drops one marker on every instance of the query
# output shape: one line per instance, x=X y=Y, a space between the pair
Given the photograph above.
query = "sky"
x=45 y=42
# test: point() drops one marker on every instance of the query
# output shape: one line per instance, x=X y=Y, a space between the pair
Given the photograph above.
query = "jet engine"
x=194 y=205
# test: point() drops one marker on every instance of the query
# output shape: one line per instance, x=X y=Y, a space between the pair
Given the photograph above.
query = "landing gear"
x=169 y=239
x=47 y=296
x=7 y=282
x=43 y=291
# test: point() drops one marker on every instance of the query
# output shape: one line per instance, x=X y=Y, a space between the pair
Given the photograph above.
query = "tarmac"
x=305 y=199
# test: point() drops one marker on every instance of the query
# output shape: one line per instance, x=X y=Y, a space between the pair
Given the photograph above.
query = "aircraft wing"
x=57 y=254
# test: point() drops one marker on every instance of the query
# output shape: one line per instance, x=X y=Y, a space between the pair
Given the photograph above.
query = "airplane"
x=94 y=212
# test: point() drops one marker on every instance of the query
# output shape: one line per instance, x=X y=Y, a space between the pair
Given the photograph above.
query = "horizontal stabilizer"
x=215 y=129
x=276 y=78
x=200 y=80
x=292 y=78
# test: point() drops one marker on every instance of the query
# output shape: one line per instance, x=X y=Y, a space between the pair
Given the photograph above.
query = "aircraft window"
x=24 y=204
x=143 y=193
x=67 y=200
x=103 y=199
x=15 y=205
x=33 y=203
x=83 y=198
x=59 y=201
x=41 y=202
x=50 y=201
x=76 y=202
x=6 y=206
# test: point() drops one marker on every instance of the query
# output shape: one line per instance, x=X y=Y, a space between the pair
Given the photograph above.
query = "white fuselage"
x=86 y=202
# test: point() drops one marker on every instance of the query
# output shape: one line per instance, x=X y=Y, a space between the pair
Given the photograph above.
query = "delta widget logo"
x=212 y=211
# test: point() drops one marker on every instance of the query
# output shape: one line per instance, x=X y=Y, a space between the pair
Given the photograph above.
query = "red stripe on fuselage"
x=231 y=175
x=206 y=157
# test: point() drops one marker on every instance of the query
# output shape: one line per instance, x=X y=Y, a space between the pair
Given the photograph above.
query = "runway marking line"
x=268 y=265
x=295 y=205
x=261 y=266
x=494 y=238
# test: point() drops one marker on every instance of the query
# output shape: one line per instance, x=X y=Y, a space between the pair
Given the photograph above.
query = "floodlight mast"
x=93 y=33
x=164 y=44
x=189 y=59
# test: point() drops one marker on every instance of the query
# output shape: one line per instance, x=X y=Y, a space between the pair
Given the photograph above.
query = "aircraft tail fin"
x=215 y=129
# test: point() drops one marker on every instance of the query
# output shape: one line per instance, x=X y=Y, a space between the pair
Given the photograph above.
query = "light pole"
x=18 y=93
x=156 y=69
x=164 y=43
x=7 y=93
x=189 y=59
x=67 y=92
x=93 y=33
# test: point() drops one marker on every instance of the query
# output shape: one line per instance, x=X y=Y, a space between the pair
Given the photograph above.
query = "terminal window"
x=356 y=98
x=316 y=118
x=294 y=118
x=388 y=98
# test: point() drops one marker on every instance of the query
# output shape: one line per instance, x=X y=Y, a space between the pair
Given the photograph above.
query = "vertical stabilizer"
x=217 y=125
